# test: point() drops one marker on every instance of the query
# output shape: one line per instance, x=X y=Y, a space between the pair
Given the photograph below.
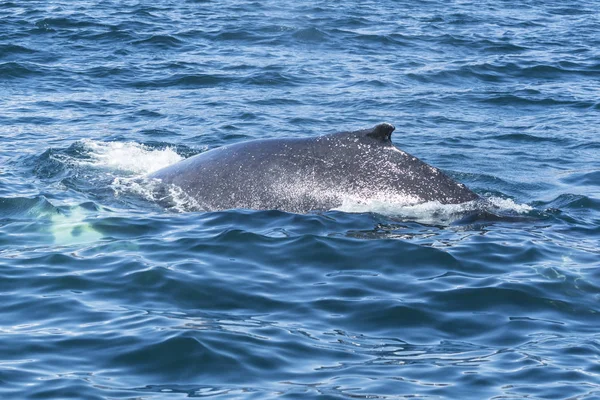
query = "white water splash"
x=409 y=208
x=430 y=212
x=129 y=157
x=509 y=205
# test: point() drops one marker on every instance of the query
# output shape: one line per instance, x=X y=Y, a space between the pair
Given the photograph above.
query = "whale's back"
x=306 y=174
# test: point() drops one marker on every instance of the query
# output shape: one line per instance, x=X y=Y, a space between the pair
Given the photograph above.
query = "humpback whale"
x=320 y=173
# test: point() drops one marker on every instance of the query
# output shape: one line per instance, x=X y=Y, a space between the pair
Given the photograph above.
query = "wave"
x=235 y=35
x=20 y=70
x=502 y=72
x=75 y=21
x=160 y=41
x=7 y=50
x=310 y=35
x=191 y=81
x=272 y=78
x=518 y=100
x=528 y=138
x=581 y=178
x=569 y=201
x=195 y=80
x=22 y=207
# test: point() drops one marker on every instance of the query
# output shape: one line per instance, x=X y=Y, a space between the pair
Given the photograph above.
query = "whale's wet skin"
x=301 y=175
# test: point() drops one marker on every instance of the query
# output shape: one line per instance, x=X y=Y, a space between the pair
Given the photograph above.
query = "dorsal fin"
x=382 y=132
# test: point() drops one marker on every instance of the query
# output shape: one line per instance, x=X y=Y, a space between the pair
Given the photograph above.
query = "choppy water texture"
x=106 y=292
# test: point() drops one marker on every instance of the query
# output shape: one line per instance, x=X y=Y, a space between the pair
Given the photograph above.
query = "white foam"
x=510 y=205
x=129 y=157
x=432 y=212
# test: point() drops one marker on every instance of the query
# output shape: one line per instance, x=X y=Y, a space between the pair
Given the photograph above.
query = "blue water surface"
x=108 y=293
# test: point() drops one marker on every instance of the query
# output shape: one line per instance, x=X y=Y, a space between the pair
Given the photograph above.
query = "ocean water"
x=108 y=291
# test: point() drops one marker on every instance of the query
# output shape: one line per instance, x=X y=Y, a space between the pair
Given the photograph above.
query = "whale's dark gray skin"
x=311 y=174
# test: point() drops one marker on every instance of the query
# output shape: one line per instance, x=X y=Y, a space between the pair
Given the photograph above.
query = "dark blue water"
x=107 y=291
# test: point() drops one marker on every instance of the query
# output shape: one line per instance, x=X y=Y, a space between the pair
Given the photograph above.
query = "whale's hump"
x=382 y=132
